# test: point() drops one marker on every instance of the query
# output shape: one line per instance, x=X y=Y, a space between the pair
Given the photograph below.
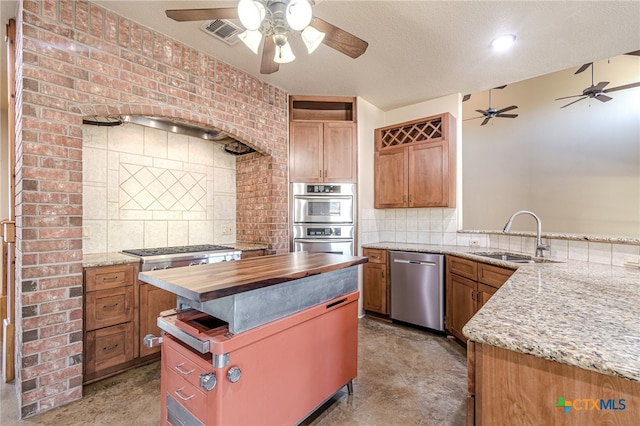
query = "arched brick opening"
x=77 y=59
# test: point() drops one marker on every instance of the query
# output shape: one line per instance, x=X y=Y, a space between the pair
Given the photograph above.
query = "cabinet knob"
x=233 y=375
x=208 y=381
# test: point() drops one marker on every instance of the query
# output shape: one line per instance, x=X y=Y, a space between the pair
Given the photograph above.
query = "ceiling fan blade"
x=583 y=68
x=568 y=97
x=603 y=98
x=268 y=65
x=485 y=121
x=485 y=113
x=509 y=108
x=184 y=15
x=571 y=103
x=634 y=53
x=501 y=87
x=600 y=86
x=507 y=115
x=626 y=86
x=473 y=118
x=466 y=97
x=339 y=39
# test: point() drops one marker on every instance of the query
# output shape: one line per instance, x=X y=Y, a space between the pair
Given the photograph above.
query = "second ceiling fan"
x=492 y=112
x=271 y=22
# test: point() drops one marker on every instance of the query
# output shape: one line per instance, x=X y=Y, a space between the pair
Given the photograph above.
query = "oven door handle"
x=323 y=197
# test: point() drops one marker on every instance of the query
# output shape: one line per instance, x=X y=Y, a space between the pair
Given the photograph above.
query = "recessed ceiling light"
x=503 y=42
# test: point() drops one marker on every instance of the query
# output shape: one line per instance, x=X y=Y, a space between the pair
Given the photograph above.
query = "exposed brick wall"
x=77 y=59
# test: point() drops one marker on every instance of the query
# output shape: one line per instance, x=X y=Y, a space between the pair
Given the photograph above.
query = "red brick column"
x=77 y=59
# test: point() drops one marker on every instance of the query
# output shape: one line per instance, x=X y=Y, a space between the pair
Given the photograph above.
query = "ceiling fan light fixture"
x=312 y=38
x=251 y=14
x=251 y=39
x=298 y=14
x=503 y=42
x=284 y=54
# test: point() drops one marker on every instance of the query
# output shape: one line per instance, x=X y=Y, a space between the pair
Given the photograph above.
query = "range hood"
x=231 y=145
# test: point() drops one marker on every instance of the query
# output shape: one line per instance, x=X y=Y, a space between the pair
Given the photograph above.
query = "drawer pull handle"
x=110 y=348
x=115 y=277
x=113 y=305
x=181 y=371
x=179 y=393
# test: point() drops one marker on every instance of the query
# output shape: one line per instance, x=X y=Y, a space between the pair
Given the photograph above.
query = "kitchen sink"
x=508 y=257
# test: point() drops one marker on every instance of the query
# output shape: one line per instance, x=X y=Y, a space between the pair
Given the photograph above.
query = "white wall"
x=144 y=188
x=577 y=167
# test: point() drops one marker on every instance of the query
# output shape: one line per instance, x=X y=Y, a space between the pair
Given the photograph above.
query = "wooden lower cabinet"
x=469 y=285
x=461 y=303
x=153 y=300
x=118 y=312
x=375 y=283
x=512 y=388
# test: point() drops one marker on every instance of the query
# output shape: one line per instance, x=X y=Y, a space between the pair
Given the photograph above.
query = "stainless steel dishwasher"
x=417 y=288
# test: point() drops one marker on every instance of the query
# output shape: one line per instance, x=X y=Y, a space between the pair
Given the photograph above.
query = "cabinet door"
x=375 y=288
x=340 y=152
x=428 y=175
x=305 y=152
x=462 y=304
x=153 y=300
x=390 y=171
x=484 y=294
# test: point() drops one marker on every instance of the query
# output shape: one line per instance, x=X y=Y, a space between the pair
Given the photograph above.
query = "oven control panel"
x=324 y=189
x=324 y=232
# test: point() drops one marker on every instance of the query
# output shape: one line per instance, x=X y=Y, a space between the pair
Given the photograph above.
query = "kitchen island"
x=264 y=340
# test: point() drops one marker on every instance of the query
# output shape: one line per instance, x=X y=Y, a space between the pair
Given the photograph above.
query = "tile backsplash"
x=144 y=187
x=440 y=225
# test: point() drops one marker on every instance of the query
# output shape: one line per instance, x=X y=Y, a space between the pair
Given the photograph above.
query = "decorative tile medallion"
x=153 y=188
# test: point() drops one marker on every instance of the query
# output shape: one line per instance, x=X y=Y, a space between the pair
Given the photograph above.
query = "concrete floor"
x=405 y=377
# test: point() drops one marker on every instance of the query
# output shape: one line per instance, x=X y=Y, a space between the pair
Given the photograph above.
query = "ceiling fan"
x=491 y=112
x=271 y=22
x=597 y=91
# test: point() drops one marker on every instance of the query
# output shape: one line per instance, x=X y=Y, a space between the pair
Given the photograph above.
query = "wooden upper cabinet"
x=340 y=152
x=306 y=152
x=390 y=184
x=322 y=139
x=426 y=148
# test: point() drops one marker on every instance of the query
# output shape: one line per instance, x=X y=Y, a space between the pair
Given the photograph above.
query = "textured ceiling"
x=420 y=50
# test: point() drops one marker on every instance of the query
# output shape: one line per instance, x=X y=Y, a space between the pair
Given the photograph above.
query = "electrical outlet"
x=474 y=243
x=86 y=233
x=227 y=229
x=631 y=260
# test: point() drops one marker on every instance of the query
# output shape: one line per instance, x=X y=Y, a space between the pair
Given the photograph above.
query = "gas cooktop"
x=159 y=251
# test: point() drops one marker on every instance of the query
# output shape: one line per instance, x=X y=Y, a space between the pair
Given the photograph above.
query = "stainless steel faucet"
x=539 y=246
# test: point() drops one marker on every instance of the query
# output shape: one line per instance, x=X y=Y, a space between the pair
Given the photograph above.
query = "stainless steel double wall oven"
x=323 y=217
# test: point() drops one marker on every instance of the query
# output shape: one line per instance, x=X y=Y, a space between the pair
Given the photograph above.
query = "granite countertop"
x=201 y=283
x=91 y=260
x=576 y=313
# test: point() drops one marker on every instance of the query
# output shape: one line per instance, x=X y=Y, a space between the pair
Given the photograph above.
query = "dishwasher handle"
x=415 y=262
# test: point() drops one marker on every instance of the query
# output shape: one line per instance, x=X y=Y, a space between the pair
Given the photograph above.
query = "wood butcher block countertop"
x=207 y=282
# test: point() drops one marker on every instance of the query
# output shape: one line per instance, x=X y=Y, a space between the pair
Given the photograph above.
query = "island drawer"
x=189 y=396
x=462 y=267
x=109 y=347
x=184 y=363
x=105 y=277
x=493 y=276
x=375 y=255
x=109 y=307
